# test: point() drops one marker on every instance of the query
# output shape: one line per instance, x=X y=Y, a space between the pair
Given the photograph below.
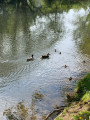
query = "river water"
x=31 y=90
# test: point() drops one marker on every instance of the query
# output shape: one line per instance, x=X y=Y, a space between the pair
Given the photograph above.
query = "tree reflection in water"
x=21 y=112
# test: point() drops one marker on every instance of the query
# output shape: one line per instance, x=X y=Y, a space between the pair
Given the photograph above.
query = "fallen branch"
x=56 y=110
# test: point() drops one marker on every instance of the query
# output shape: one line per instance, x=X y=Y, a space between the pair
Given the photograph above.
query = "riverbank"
x=79 y=107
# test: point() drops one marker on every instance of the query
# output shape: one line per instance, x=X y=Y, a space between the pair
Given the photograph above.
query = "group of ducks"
x=47 y=56
x=42 y=57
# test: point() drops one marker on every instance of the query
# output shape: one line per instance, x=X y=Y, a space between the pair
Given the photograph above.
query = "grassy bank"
x=79 y=107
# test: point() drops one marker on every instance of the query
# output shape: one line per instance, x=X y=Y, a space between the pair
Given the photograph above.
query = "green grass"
x=86 y=97
x=80 y=102
x=85 y=115
x=59 y=118
x=83 y=86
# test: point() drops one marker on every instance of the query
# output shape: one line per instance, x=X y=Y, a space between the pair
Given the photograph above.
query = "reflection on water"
x=20 y=112
x=30 y=90
x=83 y=36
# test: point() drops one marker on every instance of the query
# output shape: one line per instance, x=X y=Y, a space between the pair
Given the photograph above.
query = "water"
x=31 y=90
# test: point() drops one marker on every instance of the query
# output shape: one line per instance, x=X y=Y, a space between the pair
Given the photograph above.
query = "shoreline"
x=79 y=107
x=56 y=113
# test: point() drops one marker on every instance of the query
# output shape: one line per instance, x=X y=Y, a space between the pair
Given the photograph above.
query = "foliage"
x=82 y=87
x=44 y=5
x=59 y=119
x=86 y=97
x=80 y=110
x=49 y=2
x=82 y=115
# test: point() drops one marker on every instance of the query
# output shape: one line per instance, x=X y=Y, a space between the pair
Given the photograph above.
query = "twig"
x=56 y=110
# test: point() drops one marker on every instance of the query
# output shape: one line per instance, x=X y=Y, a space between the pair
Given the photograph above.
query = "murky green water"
x=30 y=90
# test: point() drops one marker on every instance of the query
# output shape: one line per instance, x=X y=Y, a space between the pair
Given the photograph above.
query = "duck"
x=45 y=56
x=30 y=58
x=65 y=66
x=70 y=78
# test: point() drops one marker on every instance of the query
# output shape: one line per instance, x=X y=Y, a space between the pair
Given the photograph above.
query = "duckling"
x=59 y=52
x=45 y=56
x=48 y=54
x=84 y=61
x=55 y=50
x=70 y=78
x=30 y=58
x=65 y=66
